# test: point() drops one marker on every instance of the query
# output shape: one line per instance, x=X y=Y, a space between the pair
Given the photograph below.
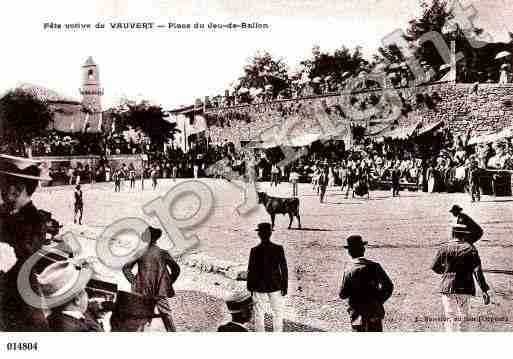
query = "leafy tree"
x=149 y=119
x=436 y=16
x=263 y=69
x=322 y=64
x=22 y=117
x=391 y=54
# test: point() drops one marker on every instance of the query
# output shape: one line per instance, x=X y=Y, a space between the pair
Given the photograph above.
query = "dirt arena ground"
x=403 y=234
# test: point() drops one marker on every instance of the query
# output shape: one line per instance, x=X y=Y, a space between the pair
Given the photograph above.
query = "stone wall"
x=480 y=108
x=68 y=117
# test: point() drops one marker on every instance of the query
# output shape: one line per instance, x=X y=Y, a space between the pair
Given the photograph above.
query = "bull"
x=275 y=205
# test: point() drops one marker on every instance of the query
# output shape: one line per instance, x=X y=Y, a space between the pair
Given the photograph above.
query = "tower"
x=92 y=93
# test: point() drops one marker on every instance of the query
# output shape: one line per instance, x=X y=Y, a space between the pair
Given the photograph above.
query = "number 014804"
x=18 y=346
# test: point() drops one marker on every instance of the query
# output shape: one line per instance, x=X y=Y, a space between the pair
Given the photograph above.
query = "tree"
x=263 y=69
x=22 y=117
x=436 y=16
x=322 y=64
x=391 y=54
x=149 y=119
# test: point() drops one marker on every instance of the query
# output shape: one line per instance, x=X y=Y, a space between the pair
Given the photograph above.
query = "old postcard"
x=271 y=166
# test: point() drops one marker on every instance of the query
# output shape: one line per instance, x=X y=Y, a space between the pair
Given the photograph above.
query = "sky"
x=173 y=67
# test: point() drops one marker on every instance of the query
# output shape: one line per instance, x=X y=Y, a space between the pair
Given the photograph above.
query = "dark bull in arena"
x=275 y=205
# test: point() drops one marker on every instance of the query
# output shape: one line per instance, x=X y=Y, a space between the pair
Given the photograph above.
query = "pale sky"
x=173 y=67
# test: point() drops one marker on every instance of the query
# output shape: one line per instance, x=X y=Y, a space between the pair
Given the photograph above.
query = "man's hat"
x=239 y=302
x=23 y=167
x=63 y=279
x=264 y=227
x=155 y=233
x=455 y=209
x=355 y=241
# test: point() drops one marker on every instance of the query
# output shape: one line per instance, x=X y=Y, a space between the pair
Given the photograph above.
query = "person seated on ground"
x=240 y=306
x=66 y=281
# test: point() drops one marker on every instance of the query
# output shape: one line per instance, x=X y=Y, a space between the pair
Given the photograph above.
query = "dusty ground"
x=403 y=234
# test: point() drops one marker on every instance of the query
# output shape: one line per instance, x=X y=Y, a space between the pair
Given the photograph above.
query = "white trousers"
x=456 y=307
x=277 y=306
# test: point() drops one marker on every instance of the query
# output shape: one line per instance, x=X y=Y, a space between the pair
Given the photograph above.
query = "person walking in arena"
x=79 y=205
x=350 y=180
x=459 y=264
x=267 y=278
x=131 y=175
x=153 y=175
x=275 y=173
x=366 y=286
x=117 y=181
x=323 y=184
x=294 y=180
x=474 y=173
x=396 y=178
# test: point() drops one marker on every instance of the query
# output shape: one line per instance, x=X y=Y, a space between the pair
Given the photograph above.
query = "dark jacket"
x=25 y=232
x=367 y=287
x=231 y=327
x=157 y=271
x=396 y=176
x=458 y=262
x=476 y=232
x=267 y=269
x=60 y=322
x=323 y=179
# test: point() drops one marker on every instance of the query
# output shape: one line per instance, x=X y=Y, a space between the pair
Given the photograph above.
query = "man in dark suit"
x=65 y=279
x=157 y=271
x=267 y=278
x=474 y=229
x=366 y=286
x=396 y=178
x=323 y=184
x=240 y=306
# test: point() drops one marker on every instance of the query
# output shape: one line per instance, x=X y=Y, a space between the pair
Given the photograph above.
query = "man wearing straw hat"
x=240 y=306
x=67 y=282
x=458 y=262
x=366 y=286
x=23 y=228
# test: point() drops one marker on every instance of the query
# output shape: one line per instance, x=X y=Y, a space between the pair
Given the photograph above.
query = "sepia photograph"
x=272 y=166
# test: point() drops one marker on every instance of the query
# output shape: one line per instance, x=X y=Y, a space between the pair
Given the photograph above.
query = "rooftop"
x=45 y=94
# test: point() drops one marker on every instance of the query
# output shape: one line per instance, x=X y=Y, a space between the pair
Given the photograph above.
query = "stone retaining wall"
x=478 y=107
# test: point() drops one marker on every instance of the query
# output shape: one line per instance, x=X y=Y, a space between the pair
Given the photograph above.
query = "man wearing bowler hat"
x=459 y=264
x=475 y=230
x=67 y=282
x=23 y=228
x=240 y=306
x=366 y=286
x=267 y=278
x=157 y=271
